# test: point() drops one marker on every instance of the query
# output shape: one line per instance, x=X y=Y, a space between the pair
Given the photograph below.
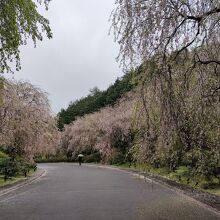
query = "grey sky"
x=80 y=56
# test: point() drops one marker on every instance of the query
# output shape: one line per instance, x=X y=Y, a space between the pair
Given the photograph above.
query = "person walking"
x=80 y=157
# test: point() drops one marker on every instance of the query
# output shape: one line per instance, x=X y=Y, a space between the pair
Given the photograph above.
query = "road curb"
x=208 y=200
x=21 y=183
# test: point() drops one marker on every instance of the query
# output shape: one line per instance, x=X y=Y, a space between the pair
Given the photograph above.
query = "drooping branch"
x=209 y=62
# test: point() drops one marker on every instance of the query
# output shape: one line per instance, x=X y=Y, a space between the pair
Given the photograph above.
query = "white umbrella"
x=80 y=155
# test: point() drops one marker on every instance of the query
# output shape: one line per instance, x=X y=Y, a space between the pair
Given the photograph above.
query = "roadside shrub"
x=11 y=167
x=24 y=166
x=117 y=157
x=8 y=168
x=3 y=155
x=92 y=158
x=206 y=163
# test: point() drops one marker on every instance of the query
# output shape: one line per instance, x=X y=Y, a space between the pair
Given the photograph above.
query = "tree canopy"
x=26 y=126
x=145 y=28
x=177 y=41
x=19 y=20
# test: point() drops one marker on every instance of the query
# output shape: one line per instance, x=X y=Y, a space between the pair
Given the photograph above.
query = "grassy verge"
x=181 y=175
x=14 y=179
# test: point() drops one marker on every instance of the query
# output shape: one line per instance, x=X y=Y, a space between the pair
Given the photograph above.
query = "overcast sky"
x=81 y=54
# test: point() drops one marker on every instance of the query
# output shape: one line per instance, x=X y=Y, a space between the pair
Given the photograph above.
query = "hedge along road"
x=70 y=192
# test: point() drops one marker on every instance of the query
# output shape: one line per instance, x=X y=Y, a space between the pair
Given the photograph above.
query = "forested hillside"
x=98 y=99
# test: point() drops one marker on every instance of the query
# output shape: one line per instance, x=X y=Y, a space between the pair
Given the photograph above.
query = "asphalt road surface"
x=70 y=192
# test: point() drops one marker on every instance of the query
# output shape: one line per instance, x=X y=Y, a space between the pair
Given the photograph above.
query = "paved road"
x=69 y=192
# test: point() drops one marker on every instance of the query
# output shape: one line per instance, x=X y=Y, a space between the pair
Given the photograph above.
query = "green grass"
x=3 y=155
x=14 y=179
x=182 y=175
x=9 y=181
x=214 y=191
